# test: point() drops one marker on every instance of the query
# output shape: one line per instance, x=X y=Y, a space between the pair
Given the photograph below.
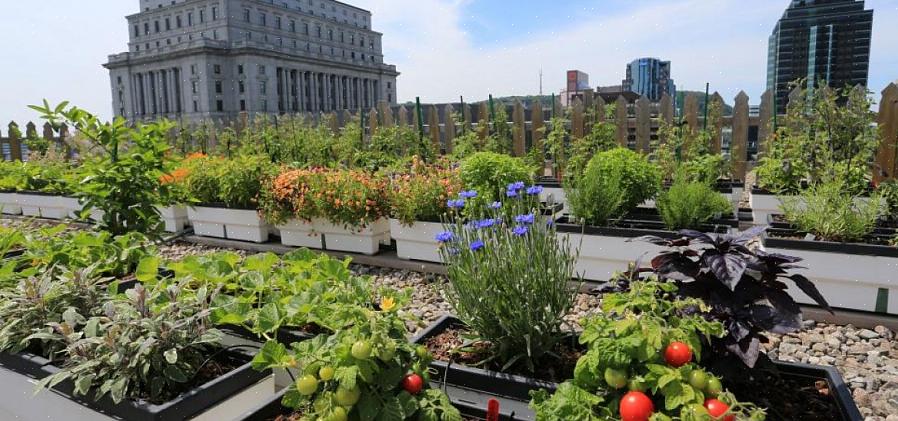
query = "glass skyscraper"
x=820 y=40
x=650 y=77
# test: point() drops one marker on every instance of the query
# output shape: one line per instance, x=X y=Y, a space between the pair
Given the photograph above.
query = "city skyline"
x=449 y=48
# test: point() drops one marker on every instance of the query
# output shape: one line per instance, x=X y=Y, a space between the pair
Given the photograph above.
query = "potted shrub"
x=287 y=202
x=604 y=200
x=226 y=191
x=498 y=265
x=836 y=234
x=418 y=200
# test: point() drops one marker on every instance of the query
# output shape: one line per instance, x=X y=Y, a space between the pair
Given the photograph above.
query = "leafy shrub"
x=626 y=352
x=888 y=191
x=829 y=212
x=614 y=183
x=707 y=168
x=389 y=144
x=780 y=176
x=47 y=176
x=123 y=178
x=358 y=372
x=148 y=344
x=519 y=264
x=489 y=173
x=602 y=137
x=741 y=286
x=690 y=204
x=233 y=182
x=422 y=192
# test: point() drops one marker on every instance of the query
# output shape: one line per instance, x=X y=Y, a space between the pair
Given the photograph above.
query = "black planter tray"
x=511 y=389
x=272 y=408
x=629 y=229
x=882 y=228
x=781 y=228
x=502 y=385
x=651 y=215
x=183 y=407
x=285 y=335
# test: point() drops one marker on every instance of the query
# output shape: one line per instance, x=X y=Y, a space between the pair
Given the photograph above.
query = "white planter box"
x=298 y=233
x=554 y=195
x=602 y=256
x=175 y=217
x=417 y=242
x=849 y=281
x=48 y=206
x=233 y=224
x=353 y=240
x=9 y=204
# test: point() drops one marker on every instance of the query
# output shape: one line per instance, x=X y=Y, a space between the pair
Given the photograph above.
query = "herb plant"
x=743 y=287
x=690 y=204
x=121 y=177
x=489 y=173
x=234 y=182
x=519 y=263
x=148 y=344
x=421 y=193
x=828 y=211
x=614 y=183
x=359 y=372
x=629 y=351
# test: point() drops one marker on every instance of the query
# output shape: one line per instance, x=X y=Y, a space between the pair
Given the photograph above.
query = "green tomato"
x=714 y=387
x=698 y=379
x=338 y=414
x=307 y=385
x=697 y=411
x=421 y=352
x=615 y=378
x=387 y=352
x=326 y=373
x=361 y=350
x=347 y=397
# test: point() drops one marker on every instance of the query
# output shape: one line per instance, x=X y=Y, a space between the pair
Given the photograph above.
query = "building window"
x=330 y=34
x=218 y=87
x=202 y=15
x=192 y=69
x=193 y=87
x=136 y=31
x=261 y=69
x=318 y=30
x=214 y=13
x=239 y=69
x=196 y=107
x=119 y=80
x=264 y=106
x=189 y=18
x=242 y=105
x=146 y=28
x=389 y=85
x=305 y=29
x=277 y=22
x=168 y=24
x=263 y=88
x=246 y=13
x=241 y=87
x=216 y=69
x=292 y=26
x=219 y=105
x=156 y=26
x=178 y=21
x=263 y=19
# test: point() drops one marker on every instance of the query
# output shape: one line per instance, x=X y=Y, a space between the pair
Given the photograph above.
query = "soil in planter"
x=882 y=235
x=219 y=366
x=444 y=347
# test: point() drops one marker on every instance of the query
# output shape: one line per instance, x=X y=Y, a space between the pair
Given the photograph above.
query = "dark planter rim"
x=186 y=405
x=861 y=249
x=842 y=394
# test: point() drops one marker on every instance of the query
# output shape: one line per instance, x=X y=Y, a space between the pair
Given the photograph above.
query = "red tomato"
x=717 y=408
x=413 y=384
x=636 y=406
x=677 y=354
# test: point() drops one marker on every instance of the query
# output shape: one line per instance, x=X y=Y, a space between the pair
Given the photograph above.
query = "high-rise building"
x=200 y=59
x=650 y=77
x=819 y=40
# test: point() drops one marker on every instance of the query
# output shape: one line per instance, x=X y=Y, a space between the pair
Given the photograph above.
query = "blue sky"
x=445 y=48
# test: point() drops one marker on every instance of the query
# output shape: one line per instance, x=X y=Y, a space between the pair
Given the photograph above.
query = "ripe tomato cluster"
x=637 y=406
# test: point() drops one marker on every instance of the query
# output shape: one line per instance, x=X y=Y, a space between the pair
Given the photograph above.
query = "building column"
x=327 y=91
x=339 y=81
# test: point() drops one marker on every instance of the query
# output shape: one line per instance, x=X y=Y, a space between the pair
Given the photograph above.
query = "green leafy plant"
x=148 y=344
x=888 y=191
x=421 y=192
x=518 y=262
x=828 y=211
x=366 y=371
x=614 y=183
x=489 y=173
x=690 y=204
x=234 y=182
x=123 y=178
x=631 y=351
x=601 y=137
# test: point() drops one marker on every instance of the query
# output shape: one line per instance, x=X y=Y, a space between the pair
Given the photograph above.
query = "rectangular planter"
x=9 y=204
x=510 y=389
x=553 y=192
x=175 y=217
x=234 y=392
x=298 y=233
x=418 y=241
x=353 y=240
x=48 y=206
x=850 y=276
x=233 y=224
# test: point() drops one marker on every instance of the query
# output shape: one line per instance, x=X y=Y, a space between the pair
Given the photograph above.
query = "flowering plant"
x=499 y=265
x=421 y=194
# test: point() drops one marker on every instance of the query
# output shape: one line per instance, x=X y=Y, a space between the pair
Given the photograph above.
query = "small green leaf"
x=171 y=356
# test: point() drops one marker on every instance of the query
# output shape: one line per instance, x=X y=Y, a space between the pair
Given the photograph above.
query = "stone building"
x=199 y=59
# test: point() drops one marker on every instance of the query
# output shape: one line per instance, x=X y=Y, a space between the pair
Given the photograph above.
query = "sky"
x=444 y=49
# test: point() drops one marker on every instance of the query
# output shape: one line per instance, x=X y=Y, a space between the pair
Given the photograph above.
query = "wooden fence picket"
x=887 y=155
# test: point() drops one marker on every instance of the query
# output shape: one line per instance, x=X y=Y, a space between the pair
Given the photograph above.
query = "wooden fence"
x=637 y=125
x=13 y=146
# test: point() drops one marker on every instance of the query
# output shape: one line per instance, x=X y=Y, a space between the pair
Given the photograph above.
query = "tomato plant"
x=677 y=354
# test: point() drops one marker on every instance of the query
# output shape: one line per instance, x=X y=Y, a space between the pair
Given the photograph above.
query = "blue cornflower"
x=453 y=251
x=526 y=219
x=511 y=193
x=470 y=194
x=445 y=237
x=456 y=204
x=535 y=190
x=496 y=205
x=516 y=186
x=519 y=231
x=486 y=223
x=476 y=245
x=549 y=223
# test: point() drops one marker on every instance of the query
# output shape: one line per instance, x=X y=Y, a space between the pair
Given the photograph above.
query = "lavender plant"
x=509 y=275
